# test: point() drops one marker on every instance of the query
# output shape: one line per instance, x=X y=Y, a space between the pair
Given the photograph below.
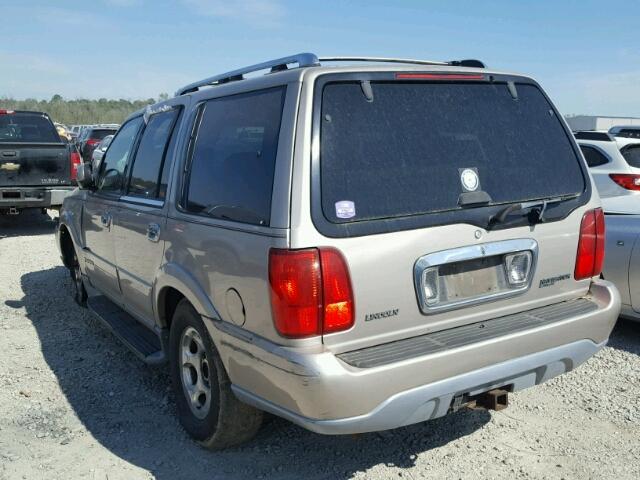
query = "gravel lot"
x=74 y=403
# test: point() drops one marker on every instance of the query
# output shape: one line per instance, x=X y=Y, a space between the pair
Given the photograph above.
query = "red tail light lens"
x=310 y=292
x=336 y=292
x=75 y=160
x=590 y=256
x=6 y=112
x=626 y=180
x=93 y=141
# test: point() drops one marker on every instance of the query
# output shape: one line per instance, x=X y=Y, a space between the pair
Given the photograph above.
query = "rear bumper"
x=323 y=393
x=33 y=197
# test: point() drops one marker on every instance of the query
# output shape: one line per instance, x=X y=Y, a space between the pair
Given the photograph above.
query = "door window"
x=112 y=171
x=149 y=164
x=234 y=157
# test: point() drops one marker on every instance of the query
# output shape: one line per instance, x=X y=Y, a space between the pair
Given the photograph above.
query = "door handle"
x=105 y=219
x=153 y=232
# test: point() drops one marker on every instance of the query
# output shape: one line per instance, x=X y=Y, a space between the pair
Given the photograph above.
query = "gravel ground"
x=74 y=403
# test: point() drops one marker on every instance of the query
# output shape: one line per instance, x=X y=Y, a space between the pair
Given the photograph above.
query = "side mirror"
x=84 y=176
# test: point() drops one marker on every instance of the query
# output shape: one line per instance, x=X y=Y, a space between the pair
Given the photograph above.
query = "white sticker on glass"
x=345 y=209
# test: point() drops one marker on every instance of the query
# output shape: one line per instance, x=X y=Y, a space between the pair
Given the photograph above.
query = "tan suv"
x=353 y=244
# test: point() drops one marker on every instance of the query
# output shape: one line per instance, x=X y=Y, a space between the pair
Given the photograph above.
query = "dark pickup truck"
x=37 y=169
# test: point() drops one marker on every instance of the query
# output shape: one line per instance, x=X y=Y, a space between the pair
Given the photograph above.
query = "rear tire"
x=207 y=407
x=78 y=291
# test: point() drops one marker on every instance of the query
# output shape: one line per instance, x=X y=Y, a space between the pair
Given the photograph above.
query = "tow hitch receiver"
x=497 y=399
x=493 y=400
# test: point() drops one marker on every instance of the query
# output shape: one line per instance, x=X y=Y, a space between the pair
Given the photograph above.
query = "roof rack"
x=302 y=59
x=593 y=135
x=310 y=60
x=456 y=63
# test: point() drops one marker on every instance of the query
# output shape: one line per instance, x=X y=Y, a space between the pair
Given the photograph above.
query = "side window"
x=632 y=155
x=150 y=157
x=234 y=154
x=113 y=166
x=593 y=157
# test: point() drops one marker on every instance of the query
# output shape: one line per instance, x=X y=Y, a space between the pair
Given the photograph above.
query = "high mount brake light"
x=310 y=292
x=628 y=181
x=590 y=256
x=439 y=76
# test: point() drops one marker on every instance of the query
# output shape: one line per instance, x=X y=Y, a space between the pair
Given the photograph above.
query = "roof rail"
x=311 y=60
x=457 y=63
x=302 y=59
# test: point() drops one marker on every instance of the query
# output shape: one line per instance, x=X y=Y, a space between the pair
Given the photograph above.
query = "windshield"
x=27 y=127
x=409 y=148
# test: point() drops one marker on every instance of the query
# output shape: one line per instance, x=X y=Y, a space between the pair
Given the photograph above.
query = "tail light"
x=93 y=141
x=75 y=160
x=628 y=181
x=310 y=292
x=6 y=112
x=590 y=255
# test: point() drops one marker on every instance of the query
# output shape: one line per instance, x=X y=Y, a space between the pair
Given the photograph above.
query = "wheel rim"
x=195 y=372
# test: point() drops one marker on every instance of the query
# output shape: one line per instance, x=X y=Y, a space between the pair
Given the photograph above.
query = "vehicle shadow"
x=129 y=408
x=626 y=336
x=27 y=223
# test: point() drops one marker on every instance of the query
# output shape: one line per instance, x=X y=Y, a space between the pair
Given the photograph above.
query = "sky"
x=586 y=54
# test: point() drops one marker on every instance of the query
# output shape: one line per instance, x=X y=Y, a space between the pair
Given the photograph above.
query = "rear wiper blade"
x=536 y=210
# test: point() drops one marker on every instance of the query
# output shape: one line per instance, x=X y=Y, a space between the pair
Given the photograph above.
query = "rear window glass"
x=409 y=150
x=25 y=127
x=632 y=155
x=100 y=134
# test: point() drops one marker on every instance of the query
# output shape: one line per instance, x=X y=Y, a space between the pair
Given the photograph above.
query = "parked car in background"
x=91 y=137
x=614 y=163
x=351 y=244
x=98 y=153
x=622 y=264
x=37 y=169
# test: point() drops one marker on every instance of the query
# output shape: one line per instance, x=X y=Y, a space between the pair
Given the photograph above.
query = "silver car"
x=353 y=244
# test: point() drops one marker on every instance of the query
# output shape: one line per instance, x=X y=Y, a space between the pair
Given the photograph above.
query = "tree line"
x=80 y=111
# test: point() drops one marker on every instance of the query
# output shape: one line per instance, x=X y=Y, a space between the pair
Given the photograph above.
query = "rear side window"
x=234 y=154
x=413 y=148
x=593 y=157
x=27 y=127
x=113 y=166
x=632 y=155
x=150 y=157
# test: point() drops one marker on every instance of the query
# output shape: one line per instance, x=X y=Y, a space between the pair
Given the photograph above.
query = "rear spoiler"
x=591 y=135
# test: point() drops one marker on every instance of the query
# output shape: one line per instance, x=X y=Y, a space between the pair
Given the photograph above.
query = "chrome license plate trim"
x=473 y=252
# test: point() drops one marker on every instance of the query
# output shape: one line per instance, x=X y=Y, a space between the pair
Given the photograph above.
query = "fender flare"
x=172 y=275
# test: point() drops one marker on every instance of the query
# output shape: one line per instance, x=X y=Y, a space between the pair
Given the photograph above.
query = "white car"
x=614 y=163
